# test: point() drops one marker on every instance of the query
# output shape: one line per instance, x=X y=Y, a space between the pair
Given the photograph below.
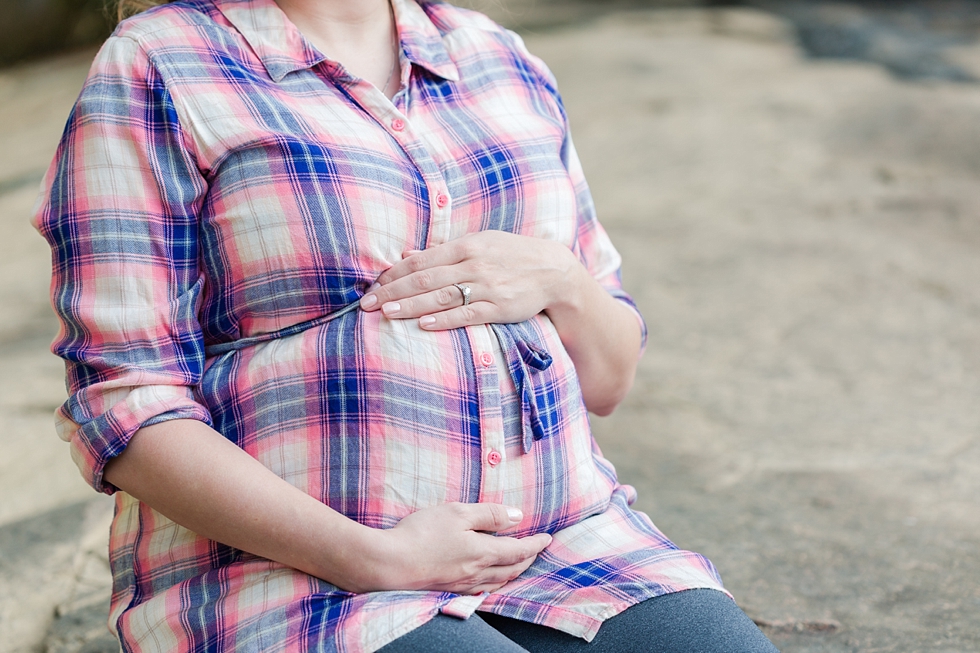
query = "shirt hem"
x=583 y=626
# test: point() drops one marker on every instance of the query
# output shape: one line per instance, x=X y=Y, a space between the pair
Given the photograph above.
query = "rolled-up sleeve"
x=119 y=209
x=592 y=243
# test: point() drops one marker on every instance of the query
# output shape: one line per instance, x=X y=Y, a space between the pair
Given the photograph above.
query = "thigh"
x=451 y=635
x=695 y=621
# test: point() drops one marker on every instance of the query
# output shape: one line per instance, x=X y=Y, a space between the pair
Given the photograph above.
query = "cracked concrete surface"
x=803 y=237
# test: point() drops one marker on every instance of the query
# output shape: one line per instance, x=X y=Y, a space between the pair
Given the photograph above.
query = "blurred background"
x=794 y=189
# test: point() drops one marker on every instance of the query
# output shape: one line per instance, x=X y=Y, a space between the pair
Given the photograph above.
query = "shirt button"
x=398 y=124
x=442 y=200
x=486 y=358
x=494 y=458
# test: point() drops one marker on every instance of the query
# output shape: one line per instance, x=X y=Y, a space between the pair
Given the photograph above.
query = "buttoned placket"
x=493 y=455
x=392 y=115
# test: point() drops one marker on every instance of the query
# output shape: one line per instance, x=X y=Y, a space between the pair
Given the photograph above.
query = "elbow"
x=603 y=410
x=603 y=401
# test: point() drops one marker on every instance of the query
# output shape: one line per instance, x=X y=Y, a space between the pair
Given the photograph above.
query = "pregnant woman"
x=334 y=307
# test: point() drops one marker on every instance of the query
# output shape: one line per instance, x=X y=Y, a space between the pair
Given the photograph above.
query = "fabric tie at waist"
x=242 y=343
x=526 y=362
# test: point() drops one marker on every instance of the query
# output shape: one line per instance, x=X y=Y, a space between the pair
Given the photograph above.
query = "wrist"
x=568 y=292
x=347 y=554
x=372 y=561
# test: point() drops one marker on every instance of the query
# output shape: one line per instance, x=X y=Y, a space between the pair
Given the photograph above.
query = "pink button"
x=442 y=200
x=398 y=124
x=494 y=458
x=486 y=358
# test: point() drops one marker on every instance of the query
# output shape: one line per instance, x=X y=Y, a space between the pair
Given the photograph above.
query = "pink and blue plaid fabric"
x=222 y=197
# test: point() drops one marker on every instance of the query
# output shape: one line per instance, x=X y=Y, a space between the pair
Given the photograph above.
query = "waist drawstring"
x=242 y=343
x=540 y=411
x=527 y=362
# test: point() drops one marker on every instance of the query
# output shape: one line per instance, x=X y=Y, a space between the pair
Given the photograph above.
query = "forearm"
x=601 y=335
x=194 y=476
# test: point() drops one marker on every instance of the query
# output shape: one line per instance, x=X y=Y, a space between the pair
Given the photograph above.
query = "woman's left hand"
x=511 y=278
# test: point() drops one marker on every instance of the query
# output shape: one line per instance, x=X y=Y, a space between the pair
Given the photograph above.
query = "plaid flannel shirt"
x=223 y=195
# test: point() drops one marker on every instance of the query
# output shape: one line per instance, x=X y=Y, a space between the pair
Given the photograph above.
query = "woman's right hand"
x=447 y=548
x=204 y=482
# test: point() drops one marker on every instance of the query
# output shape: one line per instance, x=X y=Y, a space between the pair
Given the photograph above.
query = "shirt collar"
x=282 y=49
x=421 y=41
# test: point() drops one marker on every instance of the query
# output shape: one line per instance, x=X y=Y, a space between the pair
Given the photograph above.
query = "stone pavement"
x=803 y=237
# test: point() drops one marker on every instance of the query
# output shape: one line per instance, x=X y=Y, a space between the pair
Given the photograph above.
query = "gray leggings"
x=695 y=621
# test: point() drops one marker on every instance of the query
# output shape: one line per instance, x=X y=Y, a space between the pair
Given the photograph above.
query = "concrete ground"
x=803 y=236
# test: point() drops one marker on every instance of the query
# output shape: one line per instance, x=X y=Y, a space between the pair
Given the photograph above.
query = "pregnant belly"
x=377 y=419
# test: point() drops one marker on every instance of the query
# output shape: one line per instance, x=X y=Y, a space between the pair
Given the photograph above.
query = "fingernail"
x=367 y=301
x=374 y=286
x=515 y=514
x=411 y=252
x=426 y=321
x=391 y=308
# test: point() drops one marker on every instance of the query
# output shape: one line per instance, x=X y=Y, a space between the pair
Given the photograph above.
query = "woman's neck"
x=360 y=34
